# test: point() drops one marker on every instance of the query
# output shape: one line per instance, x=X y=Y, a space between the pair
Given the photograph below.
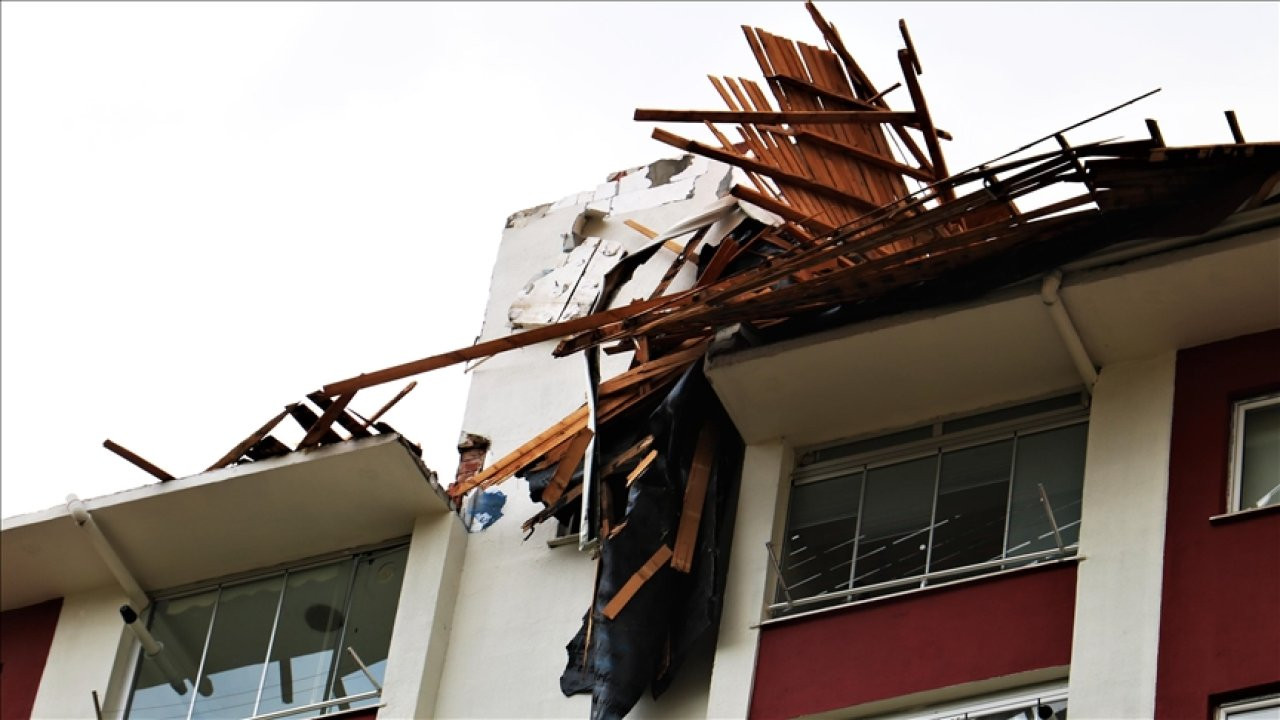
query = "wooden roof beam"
x=791 y=117
x=758 y=167
x=871 y=158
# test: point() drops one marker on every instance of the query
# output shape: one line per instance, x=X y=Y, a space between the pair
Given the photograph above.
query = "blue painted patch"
x=485 y=510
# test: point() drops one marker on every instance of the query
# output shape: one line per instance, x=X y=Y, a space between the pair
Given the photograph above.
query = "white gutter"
x=1067 y=330
x=137 y=598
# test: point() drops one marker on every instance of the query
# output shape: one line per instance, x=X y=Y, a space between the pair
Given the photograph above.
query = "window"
x=1267 y=708
x=933 y=503
x=1042 y=703
x=1255 y=456
x=273 y=644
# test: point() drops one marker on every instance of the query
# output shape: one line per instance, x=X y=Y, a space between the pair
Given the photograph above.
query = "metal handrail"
x=317 y=705
x=925 y=577
x=376 y=692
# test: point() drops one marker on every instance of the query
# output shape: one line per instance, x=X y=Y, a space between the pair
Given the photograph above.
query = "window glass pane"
x=973 y=492
x=307 y=636
x=181 y=625
x=857 y=447
x=238 y=647
x=895 y=521
x=1055 y=459
x=819 y=547
x=1260 y=466
x=374 y=597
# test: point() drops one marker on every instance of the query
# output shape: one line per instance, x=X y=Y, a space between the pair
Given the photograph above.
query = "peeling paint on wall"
x=661 y=171
x=568 y=291
x=524 y=217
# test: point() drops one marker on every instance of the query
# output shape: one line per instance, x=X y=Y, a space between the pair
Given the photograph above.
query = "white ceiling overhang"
x=224 y=522
x=914 y=367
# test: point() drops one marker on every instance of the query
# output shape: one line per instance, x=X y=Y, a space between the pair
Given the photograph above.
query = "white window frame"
x=135 y=658
x=1230 y=710
x=938 y=441
x=1010 y=701
x=1236 y=464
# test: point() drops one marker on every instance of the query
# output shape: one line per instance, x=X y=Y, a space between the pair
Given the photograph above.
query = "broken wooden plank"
x=641 y=467
x=856 y=74
x=930 y=137
x=637 y=581
x=137 y=460
x=561 y=432
x=306 y=418
x=266 y=448
x=348 y=421
x=805 y=117
x=322 y=429
x=391 y=403
x=1234 y=125
x=868 y=157
x=491 y=347
x=681 y=257
x=545 y=513
x=764 y=169
x=627 y=455
x=250 y=441
x=535 y=447
x=573 y=455
x=779 y=208
x=695 y=495
x=671 y=245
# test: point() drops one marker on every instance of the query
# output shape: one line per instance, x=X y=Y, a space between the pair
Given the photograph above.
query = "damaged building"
x=796 y=423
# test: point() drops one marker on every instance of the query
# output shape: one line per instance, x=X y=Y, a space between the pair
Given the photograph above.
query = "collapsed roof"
x=852 y=231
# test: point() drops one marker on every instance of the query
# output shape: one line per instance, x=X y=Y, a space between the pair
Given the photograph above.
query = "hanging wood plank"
x=545 y=514
x=641 y=467
x=569 y=462
x=627 y=455
x=695 y=495
x=683 y=256
x=637 y=581
x=561 y=432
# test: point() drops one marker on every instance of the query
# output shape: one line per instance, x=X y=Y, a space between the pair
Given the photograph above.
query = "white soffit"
x=224 y=522
x=910 y=368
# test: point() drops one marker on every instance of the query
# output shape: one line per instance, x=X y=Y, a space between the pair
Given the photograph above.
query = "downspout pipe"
x=1067 y=329
x=152 y=647
x=80 y=514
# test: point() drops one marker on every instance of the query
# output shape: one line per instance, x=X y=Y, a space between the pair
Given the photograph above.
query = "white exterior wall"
x=423 y=617
x=86 y=643
x=1118 y=585
x=765 y=468
x=519 y=603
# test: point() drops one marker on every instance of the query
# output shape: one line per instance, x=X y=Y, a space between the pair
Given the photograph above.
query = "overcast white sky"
x=210 y=210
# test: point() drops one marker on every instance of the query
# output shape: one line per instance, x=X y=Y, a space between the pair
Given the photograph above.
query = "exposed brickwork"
x=471 y=453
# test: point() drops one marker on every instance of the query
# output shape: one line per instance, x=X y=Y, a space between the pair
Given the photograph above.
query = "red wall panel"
x=25 y=636
x=973 y=631
x=1220 y=606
